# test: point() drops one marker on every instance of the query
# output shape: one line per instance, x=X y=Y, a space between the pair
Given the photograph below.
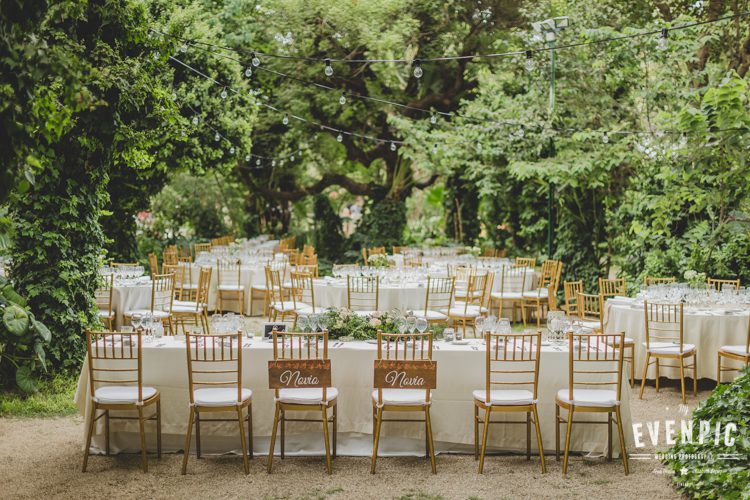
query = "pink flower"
x=375 y=322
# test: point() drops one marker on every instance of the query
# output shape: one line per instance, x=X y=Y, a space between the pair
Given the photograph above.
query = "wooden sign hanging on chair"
x=401 y=374
x=299 y=373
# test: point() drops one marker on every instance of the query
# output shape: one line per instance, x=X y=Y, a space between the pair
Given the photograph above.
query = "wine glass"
x=402 y=325
x=313 y=320
x=479 y=325
x=421 y=325
x=503 y=326
x=304 y=323
x=411 y=323
x=136 y=320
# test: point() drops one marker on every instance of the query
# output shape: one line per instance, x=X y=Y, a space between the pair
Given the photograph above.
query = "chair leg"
x=528 y=435
x=88 y=437
x=695 y=374
x=273 y=437
x=335 y=428
x=476 y=432
x=609 y=436
x=242 y=303
x=197 y=434
x=682 y=378
x=187 y=440
x=623 y=450
x=250 y=428
x=658 y=376
x=632 y=367
x=645 y=371
x=283 y=432
x=142 y=429
x=378 y=422
x=568 y=431
x=718 y=370
x=245 y=460
x=539 y=439
x=557 y=433
x=428 y=424
x=329 y=468
x=106 y=432
x=484 y=439
x=158 y=429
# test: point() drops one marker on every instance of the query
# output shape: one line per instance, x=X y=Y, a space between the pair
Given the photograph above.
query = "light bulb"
x=605 y=138
x=257 y=162
x=530 y=62
x=174 y=96
x=663 y=40
x=273 y=163
x=339 y=137
x=521 y=132
x=247 y=157
x=224 y=93
x=217 y=137
x=231 y=150
x=156 y=55
x=393 y=146
x=195 y=120
x=255 y=60
x=291 y=158
x=418 y=69
x=435 y=149
x=342 y=99
x=433 y=119
x=328 y=69
x=184 y=48
x=479 y=147
x=150 y=35
x=285 y=120
x=249 y=72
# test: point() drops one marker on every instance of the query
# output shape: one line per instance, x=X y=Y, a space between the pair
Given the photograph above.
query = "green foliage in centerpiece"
x=344 y=324
x=378 y=260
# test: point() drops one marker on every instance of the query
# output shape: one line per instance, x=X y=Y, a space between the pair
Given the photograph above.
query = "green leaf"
x=25 y=380
x=40 y=354
x=12 y=296
x=16 y=320
x=42 y=330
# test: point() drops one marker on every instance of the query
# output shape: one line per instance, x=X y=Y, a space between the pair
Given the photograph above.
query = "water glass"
x=449 y=334
x=458 y=335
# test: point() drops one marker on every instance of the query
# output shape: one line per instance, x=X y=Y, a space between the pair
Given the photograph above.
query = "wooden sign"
x=299 y=373
x=392 y=374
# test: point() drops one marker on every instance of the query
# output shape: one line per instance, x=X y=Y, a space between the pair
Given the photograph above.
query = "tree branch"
x=328 y=179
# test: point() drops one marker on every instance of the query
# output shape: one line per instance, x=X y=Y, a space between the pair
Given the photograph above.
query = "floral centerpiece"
x=378 y=260
x=344 y=324
x=695 y=279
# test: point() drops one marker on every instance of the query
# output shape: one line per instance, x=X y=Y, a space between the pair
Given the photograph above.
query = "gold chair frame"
x=733 y=356
x=656 y=280
x=717 y=284
x=529 y=262
x=361 y=292
x=571 y=289
x=200 y=315
x=438 y=295
x=226 y=273
x=103 y=297
x=514 y=274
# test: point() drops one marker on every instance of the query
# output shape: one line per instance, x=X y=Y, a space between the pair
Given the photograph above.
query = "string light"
x=663 y=39
x=255 y=61
x=433 y=118
x=273 y=163
x=257 y=162
x=224 y=93
x=418 y=68
x=231 y=150
x=285 y=120
x=249 y=72
x=605 y=138
x=174 y=96
x=247 y=157
x=342 y=99
x=530 y=63
x=393 y=146
x=339 y=137
x=217 y=137
x=328 y=69
x=195 y=120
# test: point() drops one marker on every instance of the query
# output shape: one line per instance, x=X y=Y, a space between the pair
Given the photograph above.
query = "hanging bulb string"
x=458 y=58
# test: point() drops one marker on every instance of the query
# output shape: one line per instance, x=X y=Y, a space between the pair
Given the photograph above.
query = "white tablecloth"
x=706 y=330
x=461 y=369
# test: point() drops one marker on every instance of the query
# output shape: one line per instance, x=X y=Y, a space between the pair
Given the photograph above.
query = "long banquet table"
x=707 y=329
x=461 y=369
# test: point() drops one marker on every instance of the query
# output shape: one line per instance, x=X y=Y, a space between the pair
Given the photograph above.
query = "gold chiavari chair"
x=462 y=273
x=511 y=361
x=189 y=288
x=410 y=354
x=512 y=286
x=308 y=250
x=179 y=278
x=399 y=250
x=153 y=264
x=664 y=323
x=312 y=391
x=501 y=253
x=214 y=366
x=103 y=296
x=184 y=254
x=199 y=248
x=114 y=365
x=489 y=252
x=600 y=362
x=293 y=255
x=363 y=294
x=369 y=252
x=571 y=289
x=543 y=298
x=303 y=295
x=718 y=284
x=613 y=287
x=438 y=297
x=654 y=280
x=311 y=269
x=122 y=264
x=229 y=283
x=589 y=311
x=529 y=262
x=279 y=303
x=216 y=242
x=413 y=261
x=468 y=310
x=195 y=311
x=162 y=298
x=734 y=352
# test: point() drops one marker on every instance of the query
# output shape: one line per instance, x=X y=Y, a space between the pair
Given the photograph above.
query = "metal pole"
x=550 y=185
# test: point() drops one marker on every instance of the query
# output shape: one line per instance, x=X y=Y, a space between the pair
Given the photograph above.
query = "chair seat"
x=106 y=314
x=122 y=394
x=155 y=314
x=262 y=288
x=182 y=308
x=231 y=288
x=627 y=342
x=190 y=286
x=184 y=303
x=309 y=396
x=219 y=396
x=430 y=315
x=740 y=350
x=285 y=307
x=539 y=293
x=402 y=397
x=669 y=348
x=460 y=312
x=590 y=324
x=506 y=295
x=589 y=397
x=507 y=397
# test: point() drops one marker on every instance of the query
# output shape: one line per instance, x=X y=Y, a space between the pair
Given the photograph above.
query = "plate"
x=461 y=342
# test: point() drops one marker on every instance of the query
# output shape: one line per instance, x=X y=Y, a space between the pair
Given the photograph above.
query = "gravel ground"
x=42 y=458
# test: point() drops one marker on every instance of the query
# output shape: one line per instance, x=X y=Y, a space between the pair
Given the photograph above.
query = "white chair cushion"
x=309 y=396
x=155 y=314
x=506 y=295
x=505 y=396
x=735 y=349
x=285 y=307
x=185 y=303
x=430 y=315
x=591 y=324
x=589 y=397
x=263 y=288
x=179 y=308
x=106 y=314
x=669 y=348
x=459 y=312
x=190 y=286
x=219 y=396
x=122 y=394
x=539 y=292
x=231 y=288
x=402 y=397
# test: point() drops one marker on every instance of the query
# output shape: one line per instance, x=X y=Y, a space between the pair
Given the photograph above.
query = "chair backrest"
x=512 y=360
x=274 y=283
x=311 y=269
x=169 y=255
x=179 y=272
x=589 y=307
x=214 y=361
x=461 y=273
x=362 y=293
x=718 y=284
x=549 y=274
x=664 y=323
x=298 y=346
x=184 y=254
x=513 y=279
x=302 y=290
x=120 y=353
x=204 y=286
x=526 y=262
x=229 y=272
x=612 y=287
x=153 y=264
x=489 y=252
x=398 y=250
x=122 y=264
x=162 y=292
x=308 y=250
x=439 y=294
x=405 y=352
x=655 y=280
x=103 y=294
x=198 y=248
x=293 y=255
x=595 y=360
x=412 y=261
x=571 y=289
